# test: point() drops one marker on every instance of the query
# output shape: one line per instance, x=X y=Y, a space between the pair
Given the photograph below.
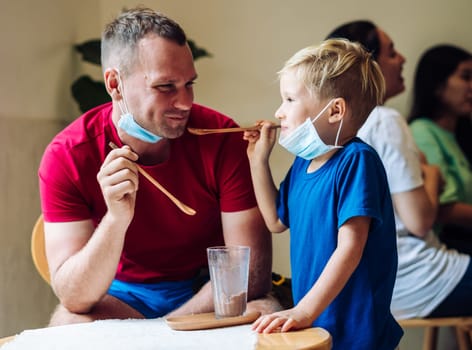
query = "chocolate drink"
x=235 y=305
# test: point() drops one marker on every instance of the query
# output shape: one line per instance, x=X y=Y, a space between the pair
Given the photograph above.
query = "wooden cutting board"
x=306 y=339
x=208 y=321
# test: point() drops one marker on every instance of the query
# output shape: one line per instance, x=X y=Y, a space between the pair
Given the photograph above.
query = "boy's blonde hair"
x=340 y=68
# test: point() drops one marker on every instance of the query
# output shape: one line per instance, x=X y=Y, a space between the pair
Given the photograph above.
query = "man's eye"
x=165 y=88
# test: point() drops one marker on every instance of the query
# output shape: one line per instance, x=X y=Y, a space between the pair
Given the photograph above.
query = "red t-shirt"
x=209 y=173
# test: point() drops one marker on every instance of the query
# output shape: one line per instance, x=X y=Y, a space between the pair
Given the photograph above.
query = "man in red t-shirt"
x=117 y=247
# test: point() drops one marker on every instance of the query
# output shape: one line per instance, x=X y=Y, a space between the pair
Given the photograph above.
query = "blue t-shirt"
x=315 y=205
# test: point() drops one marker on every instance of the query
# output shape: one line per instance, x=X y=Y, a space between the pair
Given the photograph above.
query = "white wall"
x=38 y=61
x=250 y=40
x=37 y=66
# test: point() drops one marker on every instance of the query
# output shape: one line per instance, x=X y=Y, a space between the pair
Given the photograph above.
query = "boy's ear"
x=337 y=110
x=112 y=84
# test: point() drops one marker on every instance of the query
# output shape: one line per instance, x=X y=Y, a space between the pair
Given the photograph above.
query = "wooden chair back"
x=38 y=249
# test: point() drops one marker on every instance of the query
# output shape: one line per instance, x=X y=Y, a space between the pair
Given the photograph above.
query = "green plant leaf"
x=197 y=52
x=90 y=51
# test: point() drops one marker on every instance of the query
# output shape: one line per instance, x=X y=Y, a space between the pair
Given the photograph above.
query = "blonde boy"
x=335 y=198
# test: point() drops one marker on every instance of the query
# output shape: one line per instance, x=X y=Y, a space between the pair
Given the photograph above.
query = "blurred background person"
x=442 y=101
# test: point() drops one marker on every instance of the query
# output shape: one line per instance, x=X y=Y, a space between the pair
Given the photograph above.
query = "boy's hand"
x=260 y=141
x=284 y=320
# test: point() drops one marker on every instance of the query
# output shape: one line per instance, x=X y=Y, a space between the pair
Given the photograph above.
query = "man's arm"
x=83 y=260
x=247 y=228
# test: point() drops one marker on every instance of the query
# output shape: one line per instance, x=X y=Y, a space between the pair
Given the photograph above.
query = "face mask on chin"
x=305 y=141
x=128 y=123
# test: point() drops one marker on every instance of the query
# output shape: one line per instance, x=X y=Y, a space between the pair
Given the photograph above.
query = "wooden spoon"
x=198 y=131
x=185 y=208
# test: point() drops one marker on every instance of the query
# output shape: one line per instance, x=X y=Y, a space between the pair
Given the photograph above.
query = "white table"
x=156 y=334
x=132 y=334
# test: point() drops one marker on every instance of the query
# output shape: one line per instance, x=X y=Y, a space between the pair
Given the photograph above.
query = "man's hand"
x=118 y=179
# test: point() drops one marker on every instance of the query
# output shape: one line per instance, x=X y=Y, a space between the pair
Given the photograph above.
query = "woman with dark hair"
x=442 y=100
x=437 y=65
x=381 y=47
x=431 y=279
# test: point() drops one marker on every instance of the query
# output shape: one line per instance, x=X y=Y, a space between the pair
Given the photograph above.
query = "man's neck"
x=150 y=153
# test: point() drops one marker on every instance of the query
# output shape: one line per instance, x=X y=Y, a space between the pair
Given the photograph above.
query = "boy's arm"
x=259 y=148
x=352 y=237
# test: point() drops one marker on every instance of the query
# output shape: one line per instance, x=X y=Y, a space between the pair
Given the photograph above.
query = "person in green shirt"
x=442 y=97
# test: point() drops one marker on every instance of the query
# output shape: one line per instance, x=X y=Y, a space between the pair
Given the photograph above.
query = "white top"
x=427 y=271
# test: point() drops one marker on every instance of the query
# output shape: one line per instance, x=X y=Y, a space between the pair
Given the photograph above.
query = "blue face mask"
x=305 y=142
x=128 y=124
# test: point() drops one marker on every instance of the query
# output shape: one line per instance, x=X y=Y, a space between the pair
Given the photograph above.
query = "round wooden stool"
x=306 y=339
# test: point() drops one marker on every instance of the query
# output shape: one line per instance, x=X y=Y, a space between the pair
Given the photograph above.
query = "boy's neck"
x=318 y=162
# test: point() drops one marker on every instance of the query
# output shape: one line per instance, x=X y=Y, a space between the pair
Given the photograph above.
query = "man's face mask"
x=127 y=122
x=305 y=142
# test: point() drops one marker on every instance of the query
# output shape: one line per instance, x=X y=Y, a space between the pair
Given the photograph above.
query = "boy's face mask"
x=127 y=122
x=305 y=142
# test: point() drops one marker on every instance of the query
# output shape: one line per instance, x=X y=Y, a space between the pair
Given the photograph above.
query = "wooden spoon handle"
x=198 y=131
x=185 y=208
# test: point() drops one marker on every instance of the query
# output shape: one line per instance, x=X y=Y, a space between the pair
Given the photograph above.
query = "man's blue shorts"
x=154 y=299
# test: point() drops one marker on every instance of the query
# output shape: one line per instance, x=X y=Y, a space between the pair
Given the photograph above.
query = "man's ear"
x=337 y=110
x=112 y=83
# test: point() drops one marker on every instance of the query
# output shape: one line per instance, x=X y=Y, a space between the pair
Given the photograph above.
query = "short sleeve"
x=388 y=133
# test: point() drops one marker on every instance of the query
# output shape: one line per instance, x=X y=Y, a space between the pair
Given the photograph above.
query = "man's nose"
x=184 y=99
